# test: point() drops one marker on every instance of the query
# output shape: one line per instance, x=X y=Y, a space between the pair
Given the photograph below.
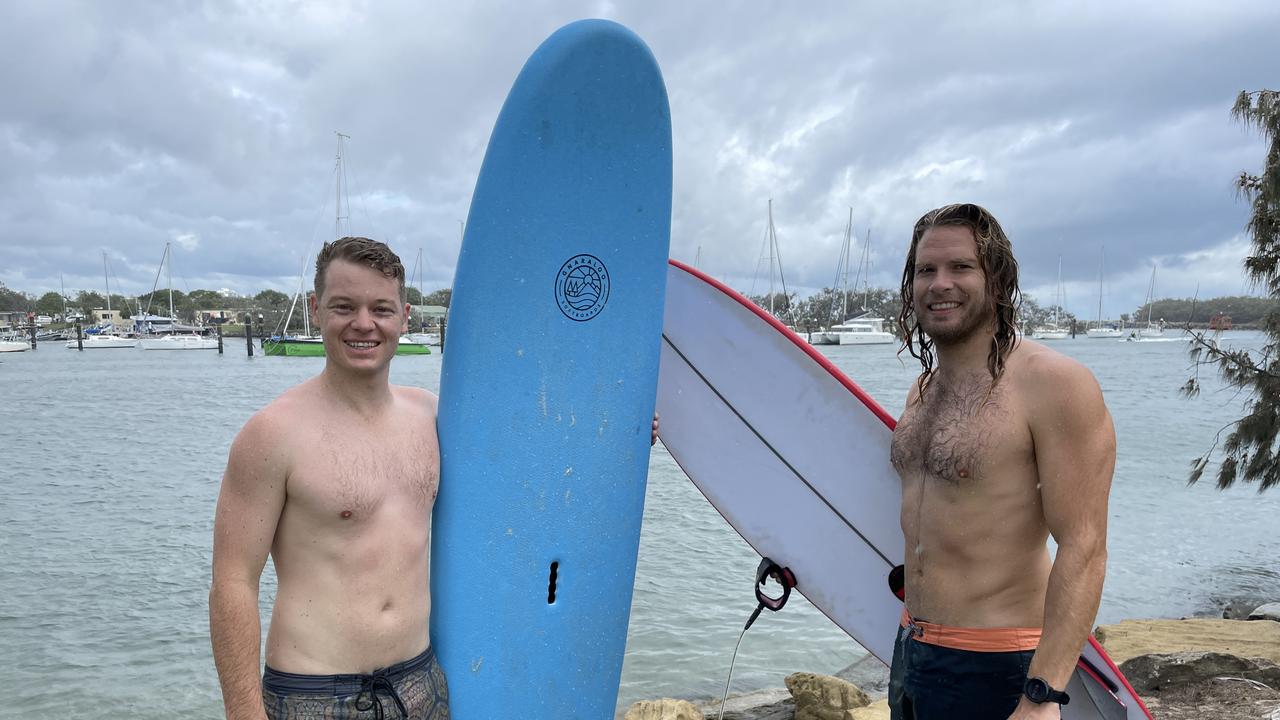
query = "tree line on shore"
x=820 y=310
x=272 y=305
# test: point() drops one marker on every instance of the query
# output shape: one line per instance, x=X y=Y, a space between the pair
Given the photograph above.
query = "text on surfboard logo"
x=582 y=287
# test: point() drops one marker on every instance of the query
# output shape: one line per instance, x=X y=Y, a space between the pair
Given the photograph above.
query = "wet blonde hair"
x=999 y=267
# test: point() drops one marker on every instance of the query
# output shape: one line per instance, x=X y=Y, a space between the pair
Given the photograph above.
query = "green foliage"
x=14 y=299
x=1245 y=311
x=1251 y=450
x=440 y=297
x=829 y=307
x=1031 y=315
x=89 y=301
x=49 y=304
x=273 y=299
x=781 y=305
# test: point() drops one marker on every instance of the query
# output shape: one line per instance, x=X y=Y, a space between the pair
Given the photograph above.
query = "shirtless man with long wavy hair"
x=1003 y=443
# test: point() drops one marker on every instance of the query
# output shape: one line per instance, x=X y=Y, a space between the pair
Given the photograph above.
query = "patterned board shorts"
x=414 y=689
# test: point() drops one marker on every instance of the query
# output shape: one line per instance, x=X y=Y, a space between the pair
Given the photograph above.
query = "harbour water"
x=112 y=461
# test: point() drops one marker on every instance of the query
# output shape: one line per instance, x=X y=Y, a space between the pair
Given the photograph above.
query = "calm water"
x=113 y=459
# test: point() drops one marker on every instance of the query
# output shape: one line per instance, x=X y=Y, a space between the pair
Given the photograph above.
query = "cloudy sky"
x=211 y=125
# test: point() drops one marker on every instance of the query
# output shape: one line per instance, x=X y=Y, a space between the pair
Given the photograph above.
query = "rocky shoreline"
x=1192 y=668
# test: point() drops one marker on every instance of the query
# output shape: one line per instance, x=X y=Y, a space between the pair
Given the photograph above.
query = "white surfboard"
x=796 y=457
x=787 y=449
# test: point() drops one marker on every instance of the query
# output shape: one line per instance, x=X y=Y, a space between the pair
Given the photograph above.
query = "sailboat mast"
x=773 y=241
x=1057 y=296
x=866 y=271
x=1101 y=260
x=168 y=277
x=1151 y=293
x=106 y=283
x=844 y=270
x=337 y=190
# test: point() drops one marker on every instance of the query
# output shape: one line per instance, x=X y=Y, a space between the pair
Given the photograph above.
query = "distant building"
x=12 y=318
x=100 y=316
x=426 y=315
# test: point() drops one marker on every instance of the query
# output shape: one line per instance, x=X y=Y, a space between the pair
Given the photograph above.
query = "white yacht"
x=861 y=330
x=103 y=341
x=1051 y=332
x=14 y=345
x=1104 y=332
x=179 y=342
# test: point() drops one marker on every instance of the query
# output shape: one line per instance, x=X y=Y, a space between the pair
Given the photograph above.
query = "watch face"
x=1036 y=690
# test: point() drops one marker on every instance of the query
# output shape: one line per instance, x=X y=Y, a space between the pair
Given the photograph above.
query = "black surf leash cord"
x=787 y=579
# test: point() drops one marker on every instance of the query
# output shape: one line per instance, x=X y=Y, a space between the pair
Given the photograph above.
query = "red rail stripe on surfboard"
x=798 y=341
x=1102 y=653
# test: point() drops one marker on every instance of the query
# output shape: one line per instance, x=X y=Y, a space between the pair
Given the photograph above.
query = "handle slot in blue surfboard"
x=551 y=583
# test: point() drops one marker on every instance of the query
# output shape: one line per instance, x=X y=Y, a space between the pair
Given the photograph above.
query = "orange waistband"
x=1005 y=639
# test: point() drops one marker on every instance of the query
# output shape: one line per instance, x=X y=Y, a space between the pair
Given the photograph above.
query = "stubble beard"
x=973 y=322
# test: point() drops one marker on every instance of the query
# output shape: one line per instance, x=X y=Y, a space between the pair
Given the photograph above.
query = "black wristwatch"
x=1038 y=691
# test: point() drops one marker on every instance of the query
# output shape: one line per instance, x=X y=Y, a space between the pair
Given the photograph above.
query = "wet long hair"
x=361 y=251
x=999 y=267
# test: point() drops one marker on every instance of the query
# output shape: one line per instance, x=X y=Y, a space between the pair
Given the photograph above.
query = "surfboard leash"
x=787 y=580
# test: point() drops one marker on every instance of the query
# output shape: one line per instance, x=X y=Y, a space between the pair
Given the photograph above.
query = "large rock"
x=822 y=697
x=869 y=674
x=664 y=709
x=1154 y=673
x=878 y=710
x=1270 y=611
x=1132 y=638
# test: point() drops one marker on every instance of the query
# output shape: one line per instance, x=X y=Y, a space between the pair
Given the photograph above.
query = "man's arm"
x=249 y=505
x=1075 y=447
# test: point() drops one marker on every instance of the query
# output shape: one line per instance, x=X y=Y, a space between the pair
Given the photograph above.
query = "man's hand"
x=653 y=437
x=1028 y=710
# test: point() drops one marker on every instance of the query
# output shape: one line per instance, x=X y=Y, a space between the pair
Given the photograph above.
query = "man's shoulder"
x=1047 y=379
x=416 y=398
x=1036 y=363
x=283 y=413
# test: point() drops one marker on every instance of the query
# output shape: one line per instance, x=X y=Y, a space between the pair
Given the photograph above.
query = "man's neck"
x=967 y=355
x=364 y=394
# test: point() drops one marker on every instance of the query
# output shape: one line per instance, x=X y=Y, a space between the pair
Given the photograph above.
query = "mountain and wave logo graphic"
x=582 y=287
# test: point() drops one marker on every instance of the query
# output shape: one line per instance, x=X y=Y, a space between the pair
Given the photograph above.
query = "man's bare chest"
x=353 y=476
x=959 y=435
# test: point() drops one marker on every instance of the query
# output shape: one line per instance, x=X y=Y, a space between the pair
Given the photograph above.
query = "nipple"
x=964 y=472
x=345 y=514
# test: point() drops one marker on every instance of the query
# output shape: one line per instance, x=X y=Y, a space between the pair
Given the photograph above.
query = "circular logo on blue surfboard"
x=582 y=287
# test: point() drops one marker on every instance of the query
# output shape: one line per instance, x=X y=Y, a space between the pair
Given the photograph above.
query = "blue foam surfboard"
x=549 y=381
